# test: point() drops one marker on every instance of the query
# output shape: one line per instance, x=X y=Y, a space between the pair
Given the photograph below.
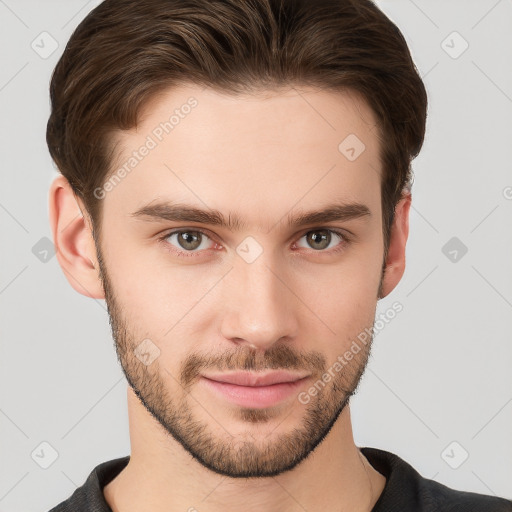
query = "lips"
x=256 y=390
x=256 y=379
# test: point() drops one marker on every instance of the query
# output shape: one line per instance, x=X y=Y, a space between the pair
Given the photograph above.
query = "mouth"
x=255 y=390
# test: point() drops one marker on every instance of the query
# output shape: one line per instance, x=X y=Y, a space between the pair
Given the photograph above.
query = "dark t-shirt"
x=406 y=490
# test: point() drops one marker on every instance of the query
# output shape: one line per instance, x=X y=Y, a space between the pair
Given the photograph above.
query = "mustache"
x=278 y=357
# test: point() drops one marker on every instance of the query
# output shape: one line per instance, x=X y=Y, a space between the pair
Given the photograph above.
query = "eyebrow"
x=164 y=211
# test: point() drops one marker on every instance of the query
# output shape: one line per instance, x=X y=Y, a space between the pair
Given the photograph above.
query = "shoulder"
x=453 y=500
x=407 y=490
x=89 y=496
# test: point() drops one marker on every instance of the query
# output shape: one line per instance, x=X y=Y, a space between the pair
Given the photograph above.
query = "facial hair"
x=169 y=399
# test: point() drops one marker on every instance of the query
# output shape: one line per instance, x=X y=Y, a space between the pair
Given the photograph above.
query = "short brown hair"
x=126 y=51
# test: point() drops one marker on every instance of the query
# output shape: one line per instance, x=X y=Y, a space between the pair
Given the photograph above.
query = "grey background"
x=440 y=371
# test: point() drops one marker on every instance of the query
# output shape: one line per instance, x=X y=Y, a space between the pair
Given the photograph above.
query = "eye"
x=184 y=241
x=189 y=242
x=320 y=239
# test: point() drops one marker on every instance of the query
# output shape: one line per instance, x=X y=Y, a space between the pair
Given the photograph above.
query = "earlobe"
x=395 y=260
x=73 y=240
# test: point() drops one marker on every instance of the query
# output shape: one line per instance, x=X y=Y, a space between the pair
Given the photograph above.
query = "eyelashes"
x=183 y=253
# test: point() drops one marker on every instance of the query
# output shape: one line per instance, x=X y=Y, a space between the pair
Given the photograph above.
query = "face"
x=188 y=298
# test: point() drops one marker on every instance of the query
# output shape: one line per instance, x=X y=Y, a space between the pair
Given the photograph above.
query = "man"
x=236 y=185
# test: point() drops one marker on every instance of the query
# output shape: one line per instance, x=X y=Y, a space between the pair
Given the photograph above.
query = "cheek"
x=340 y=315
x=136 y=282
x=167 y=300
x=346 y=291
x=158 y=299
x=343 y=300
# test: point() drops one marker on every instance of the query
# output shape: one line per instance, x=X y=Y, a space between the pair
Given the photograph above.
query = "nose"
x=258 y=305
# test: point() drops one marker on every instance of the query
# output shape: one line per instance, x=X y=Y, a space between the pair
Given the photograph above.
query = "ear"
x=395 y=260
x=73 y=240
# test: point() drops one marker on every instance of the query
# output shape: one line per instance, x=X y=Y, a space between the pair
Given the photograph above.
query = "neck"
x=162 y=476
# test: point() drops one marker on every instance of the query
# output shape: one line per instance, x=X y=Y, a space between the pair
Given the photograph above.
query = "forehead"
x=259 y=153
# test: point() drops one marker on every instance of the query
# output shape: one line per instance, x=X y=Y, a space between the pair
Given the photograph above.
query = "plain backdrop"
x=438 y=389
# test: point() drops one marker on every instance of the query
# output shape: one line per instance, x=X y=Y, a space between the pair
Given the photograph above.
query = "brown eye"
x=188 y=241
x=319 y=239
x=323 y=240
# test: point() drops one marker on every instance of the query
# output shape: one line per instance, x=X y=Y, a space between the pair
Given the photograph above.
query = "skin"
x=298 y=305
